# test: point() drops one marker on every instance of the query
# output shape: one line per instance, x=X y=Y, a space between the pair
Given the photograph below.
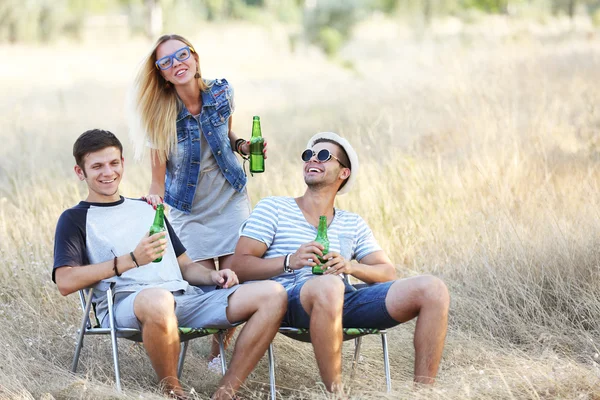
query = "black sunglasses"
x=323 y=155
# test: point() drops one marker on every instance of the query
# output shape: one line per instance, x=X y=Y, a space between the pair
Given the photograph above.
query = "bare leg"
x=155 y=308
x=214 y=348
x=426 y=297
x=323 y=299
x=263 y=305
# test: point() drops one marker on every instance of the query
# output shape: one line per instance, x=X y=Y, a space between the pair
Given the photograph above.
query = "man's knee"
x=155 y=305
x=434 y=292
x=253 y=297
x=264 y=290
x=418 y=292
x=272 y=293
x=324 y=291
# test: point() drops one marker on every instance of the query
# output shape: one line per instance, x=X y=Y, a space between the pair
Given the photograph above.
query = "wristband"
x=134 y=260
x=286 y=263
x=115 y=267
x=238 y=146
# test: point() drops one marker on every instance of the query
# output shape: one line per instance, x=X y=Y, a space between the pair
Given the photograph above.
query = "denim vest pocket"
x=220 y=116
x=217 y=119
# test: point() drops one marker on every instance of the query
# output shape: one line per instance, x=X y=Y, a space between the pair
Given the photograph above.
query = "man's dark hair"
x=92 y=141
x=343 y=156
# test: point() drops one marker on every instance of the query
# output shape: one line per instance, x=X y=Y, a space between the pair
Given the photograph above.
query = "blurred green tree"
x=34 y=20
x=326 y=23
x=329 y=23
x=490 y=6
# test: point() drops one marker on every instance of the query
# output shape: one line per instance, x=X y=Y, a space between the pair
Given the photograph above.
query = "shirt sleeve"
x=69 y=241
x=262 y=223
x=365 y=240
x=178 y=247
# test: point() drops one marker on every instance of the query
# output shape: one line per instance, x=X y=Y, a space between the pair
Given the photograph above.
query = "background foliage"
x=326 y=23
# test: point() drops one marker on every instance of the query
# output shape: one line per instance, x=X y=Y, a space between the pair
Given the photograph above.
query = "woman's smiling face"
x=180 y=72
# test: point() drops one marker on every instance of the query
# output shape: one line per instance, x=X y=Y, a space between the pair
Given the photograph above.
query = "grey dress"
x=211 y=229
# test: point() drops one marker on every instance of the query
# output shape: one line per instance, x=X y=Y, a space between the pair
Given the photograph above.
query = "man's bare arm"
x=373 y=268
x=248 y=264
x=194 y=273
x=71 y=279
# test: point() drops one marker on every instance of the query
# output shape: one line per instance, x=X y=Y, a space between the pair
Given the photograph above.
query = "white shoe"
x=214 y=365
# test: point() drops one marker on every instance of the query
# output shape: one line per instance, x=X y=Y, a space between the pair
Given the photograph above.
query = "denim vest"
x=183 y=164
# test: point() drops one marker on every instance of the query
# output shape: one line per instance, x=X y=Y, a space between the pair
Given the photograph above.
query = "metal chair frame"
x=87 y=328
x=303 y=334
x=186 y=334
x=356 y=334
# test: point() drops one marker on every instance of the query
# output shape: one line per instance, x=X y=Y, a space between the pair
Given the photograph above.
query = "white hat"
x=352 y=156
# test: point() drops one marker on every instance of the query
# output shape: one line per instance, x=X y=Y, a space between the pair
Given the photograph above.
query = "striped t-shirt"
x=279 y=223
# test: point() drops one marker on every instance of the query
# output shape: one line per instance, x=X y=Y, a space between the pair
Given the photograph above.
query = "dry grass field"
x=480 y=164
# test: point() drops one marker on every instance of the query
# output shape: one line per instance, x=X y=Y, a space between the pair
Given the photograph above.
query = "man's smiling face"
x=102 y=172
x=319 y=174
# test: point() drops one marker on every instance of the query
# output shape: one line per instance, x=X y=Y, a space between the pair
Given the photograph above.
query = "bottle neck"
x=256 y=129
x=322 y=226
x=159 y=217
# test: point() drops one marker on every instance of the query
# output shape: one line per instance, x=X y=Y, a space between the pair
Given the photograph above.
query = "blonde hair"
x=156 y=105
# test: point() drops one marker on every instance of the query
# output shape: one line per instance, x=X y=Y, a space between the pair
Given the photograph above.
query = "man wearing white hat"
x=277 y=242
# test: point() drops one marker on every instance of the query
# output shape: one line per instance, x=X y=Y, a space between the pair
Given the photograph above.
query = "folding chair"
x=303 y=334
x=185 y=334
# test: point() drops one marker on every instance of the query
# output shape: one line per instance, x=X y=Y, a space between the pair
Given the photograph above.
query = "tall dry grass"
x=479 y=163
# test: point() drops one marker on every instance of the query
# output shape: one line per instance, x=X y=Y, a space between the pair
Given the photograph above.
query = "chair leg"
x=386 y=362
x=113 y=338
x=272 y=371
x=84 y=324
x=184 y=347
x=357 y=343
x=78 y=348
x=222 y=351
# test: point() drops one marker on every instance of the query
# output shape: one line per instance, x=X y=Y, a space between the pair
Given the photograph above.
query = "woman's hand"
x=153 y=200
x=246 y=148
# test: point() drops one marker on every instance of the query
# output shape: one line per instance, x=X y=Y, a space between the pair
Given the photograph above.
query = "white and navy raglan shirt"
x=91 y=233
x=279 y=223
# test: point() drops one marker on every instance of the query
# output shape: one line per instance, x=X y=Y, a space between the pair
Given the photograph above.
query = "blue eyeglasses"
x=181 y=55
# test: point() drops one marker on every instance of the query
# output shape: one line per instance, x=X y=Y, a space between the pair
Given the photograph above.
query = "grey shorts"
x=193 y=308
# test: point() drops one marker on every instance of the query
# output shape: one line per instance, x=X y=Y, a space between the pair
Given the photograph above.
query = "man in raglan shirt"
x=277 y=243
x=104 y=240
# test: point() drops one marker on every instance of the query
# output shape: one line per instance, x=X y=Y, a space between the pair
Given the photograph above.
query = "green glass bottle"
x=159 y=223
x=324 y=240
x=257 y=158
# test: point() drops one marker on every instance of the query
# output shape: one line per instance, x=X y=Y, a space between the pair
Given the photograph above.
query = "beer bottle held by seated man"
x=324 y=240
x=159 y=224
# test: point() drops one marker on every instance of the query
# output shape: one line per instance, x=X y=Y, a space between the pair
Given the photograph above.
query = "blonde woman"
x=186 y=121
